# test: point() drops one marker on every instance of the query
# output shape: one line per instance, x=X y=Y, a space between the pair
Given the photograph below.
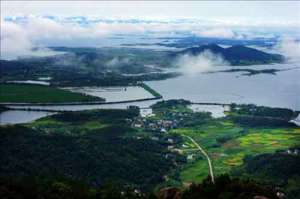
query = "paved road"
x=211 y=172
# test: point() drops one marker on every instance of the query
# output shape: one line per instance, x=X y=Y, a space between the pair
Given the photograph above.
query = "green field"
x=240 y=142
x=50 y=126
x=26 y=93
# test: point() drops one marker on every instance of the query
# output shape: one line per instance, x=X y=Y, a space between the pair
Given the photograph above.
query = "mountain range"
x=236 y=55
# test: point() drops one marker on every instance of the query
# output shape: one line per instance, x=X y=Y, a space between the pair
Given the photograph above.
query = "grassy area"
x=26 y=93
x=49 y=125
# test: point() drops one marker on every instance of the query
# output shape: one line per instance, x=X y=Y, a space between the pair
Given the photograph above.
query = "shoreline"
x=77 y=103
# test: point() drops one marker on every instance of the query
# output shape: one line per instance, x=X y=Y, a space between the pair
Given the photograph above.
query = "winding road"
x=211 y=172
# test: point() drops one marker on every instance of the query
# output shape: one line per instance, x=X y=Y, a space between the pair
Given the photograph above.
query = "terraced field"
x=228 y=144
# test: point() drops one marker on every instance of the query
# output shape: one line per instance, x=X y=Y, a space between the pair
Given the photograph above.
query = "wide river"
x=280 y=90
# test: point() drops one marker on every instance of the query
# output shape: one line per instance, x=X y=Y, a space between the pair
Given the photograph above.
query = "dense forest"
x=69 y=145
x=281 y=169
x=55 y=188
x=259 y=116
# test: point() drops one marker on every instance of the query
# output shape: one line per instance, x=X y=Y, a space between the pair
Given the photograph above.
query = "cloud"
x=203 y=62
x=31 y=31
x=116 y=61
x=216 y=33
x=288 y=47
x=15 y=43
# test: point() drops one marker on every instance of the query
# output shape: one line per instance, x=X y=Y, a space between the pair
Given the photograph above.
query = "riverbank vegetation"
x=150 y=90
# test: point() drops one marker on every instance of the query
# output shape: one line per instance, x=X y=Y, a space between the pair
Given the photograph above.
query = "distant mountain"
x=236 y=55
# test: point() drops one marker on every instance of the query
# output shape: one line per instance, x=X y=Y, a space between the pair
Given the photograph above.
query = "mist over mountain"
x=235 y=55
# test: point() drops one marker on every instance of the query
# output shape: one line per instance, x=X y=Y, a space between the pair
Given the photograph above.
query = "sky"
x=257 y=10
x=28 y=23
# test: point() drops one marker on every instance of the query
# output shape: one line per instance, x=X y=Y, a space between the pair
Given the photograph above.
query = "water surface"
x=114 y=94
x=18 y=117
x=281 y=90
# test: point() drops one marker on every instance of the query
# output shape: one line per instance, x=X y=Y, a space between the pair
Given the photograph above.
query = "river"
x=18 y=117
x=280 y=90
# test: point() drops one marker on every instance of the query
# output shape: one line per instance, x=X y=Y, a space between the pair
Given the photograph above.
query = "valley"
x=130 y=140
x=125 y=107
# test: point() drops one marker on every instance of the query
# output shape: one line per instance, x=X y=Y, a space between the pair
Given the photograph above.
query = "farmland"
x=228 y=145
x=28 y=93
x=232 y=145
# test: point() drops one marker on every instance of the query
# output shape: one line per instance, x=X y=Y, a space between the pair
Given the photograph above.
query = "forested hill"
x=236 y=55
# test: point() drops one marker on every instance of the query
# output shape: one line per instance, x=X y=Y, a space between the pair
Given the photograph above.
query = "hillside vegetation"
x=91 y=146
x=236 y=55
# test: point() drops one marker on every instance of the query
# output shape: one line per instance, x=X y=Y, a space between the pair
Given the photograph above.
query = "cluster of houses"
x=146 y=121
x=292 y=152
x=159 y=127
x=154 y=125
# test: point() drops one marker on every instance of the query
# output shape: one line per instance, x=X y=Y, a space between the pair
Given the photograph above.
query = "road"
x=211 y=171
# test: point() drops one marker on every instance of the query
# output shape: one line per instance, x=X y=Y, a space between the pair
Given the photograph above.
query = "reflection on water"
x=113 y=94
x=18 y=117
x=281 y=90
x=215 y=110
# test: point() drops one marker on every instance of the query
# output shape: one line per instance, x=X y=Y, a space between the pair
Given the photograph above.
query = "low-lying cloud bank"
x=117 y=61
x=20 y=35
x=216 y=32
x=204 y=62
x=289 y=47
x=16 y=42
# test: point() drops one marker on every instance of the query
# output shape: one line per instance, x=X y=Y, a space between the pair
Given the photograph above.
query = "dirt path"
x=211 y=172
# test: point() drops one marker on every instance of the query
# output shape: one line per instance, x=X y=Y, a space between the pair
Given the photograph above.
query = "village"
x=157 y=125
